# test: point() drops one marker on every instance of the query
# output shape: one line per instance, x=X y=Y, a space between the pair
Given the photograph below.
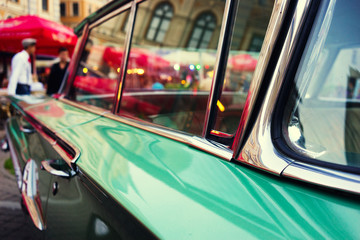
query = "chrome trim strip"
x=259 y=150
x=196 y=142
x=193 y=141
x=323 y=177
x=217 y=78
x=157 y=93
x=124 y=62
x=75 y=61
x=14 y=157
x=272 y=33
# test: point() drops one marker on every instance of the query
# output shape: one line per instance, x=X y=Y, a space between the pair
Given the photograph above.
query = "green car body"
x=113 y=178
x=177 y=191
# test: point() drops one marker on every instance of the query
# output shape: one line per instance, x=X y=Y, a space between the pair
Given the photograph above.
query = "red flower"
x=29 y=60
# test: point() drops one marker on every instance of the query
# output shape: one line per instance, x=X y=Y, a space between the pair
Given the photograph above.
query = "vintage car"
x=199 y=119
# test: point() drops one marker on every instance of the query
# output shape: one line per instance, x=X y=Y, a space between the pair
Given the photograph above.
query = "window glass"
x=160 y=22
x=62 y=9
x=168 y=84
x=45 y=5
x=100 y=63
x=250 y=27
x=75 y=9
x=203 y=30
x=322 y=117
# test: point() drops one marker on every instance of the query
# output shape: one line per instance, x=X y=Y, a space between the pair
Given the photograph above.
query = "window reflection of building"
x=196 y=24
x=203 y=30
x=173 y=50
x=160 y=22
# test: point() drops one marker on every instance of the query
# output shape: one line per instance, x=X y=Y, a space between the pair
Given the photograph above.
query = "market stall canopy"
x=139 y=58
x=191 y=57
x=50 y=35
x=243 y=62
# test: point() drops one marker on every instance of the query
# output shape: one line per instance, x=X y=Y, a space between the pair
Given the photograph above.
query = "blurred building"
x=192 y=24
x=73 y=11
x=172 y=23
x=48 y=9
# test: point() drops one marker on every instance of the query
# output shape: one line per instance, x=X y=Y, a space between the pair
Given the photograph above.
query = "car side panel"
x=180 y=192
x=177 y=191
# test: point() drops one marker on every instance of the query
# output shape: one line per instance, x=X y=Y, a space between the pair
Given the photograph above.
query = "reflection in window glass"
x=160 y=22
x=100 y=63
x=250 y=27
x=322 y=116
x=203 y=30
x=169 y=85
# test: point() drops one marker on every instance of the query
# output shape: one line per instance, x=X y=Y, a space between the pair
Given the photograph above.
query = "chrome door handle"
x=46 y=165
x=30 y=194
x=27 y=129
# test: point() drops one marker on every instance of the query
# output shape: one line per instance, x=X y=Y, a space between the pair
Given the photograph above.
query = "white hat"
x=28 y=42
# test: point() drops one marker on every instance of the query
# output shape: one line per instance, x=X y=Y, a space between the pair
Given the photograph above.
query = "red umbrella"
x=49 y=35
x=139 y=58
x=113 y=56
x=243 y=62
x=146 y=59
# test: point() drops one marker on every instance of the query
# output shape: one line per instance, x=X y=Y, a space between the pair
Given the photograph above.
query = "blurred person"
x=58 y=71
x=21 y=78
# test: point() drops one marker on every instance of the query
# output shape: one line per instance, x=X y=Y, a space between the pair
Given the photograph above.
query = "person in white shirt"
x=21 y=77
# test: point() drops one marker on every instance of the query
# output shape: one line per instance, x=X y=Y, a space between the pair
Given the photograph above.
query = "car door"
x=28 y=149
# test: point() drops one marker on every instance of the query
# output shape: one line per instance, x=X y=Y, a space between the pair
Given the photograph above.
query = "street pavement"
x=14 y=224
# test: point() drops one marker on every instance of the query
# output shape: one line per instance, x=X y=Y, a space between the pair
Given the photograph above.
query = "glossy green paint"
x=55 y=114
x=180 y=192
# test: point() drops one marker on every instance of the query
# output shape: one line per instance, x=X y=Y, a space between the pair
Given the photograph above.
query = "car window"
x=99 y=67
x=350 y=89
x=250 y=27
x=171 y=63
x=322 y=116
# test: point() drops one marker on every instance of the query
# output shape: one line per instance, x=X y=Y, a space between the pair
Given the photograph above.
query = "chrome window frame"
x=224 y=46
x=203 y=143
x=258 y=149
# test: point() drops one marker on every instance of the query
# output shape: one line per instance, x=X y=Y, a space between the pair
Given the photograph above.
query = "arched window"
x=160 y=22
x=203 y=30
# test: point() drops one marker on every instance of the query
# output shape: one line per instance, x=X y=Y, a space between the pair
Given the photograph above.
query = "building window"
x=75 y=9
x=203 y=30
x=256 y=43
x=160 y=22
x=45 y=5
x=63 y=9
